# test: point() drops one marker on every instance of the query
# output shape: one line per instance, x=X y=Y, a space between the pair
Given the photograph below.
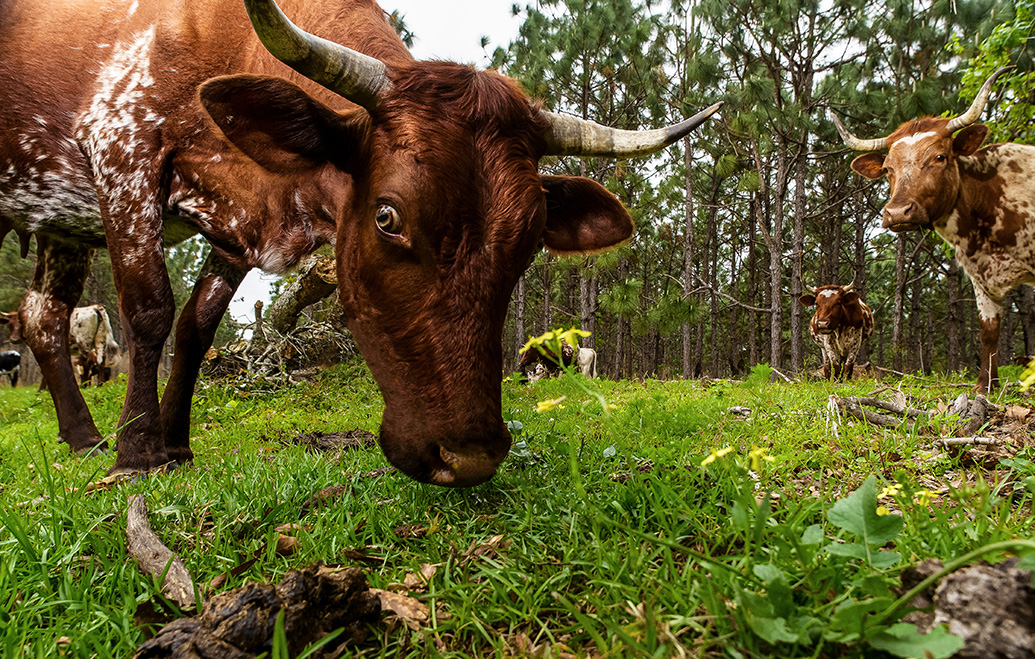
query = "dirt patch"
x=336 y=441
x=239 y=623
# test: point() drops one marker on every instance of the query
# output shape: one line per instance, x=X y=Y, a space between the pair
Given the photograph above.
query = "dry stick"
x=966 y=441
x=154 y=558
x=890 y=406
x=852 y=407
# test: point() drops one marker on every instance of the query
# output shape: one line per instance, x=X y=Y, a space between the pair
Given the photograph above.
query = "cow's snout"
x=465 y=469
x=450 y=462
x=822 y=324
x=902 y=216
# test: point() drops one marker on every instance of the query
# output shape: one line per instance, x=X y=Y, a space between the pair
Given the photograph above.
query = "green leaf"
x=851 y=550
x=903 y=640
x=812 y=535
x=857 y=514
x=772 y=630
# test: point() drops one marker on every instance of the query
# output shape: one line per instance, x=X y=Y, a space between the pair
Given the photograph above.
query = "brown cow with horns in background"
x=841 y=324
x=979 y=200
x=134 y=124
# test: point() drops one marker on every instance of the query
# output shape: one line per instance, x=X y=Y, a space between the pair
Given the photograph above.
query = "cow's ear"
x=969 y=140
x=850 y=297
x=280 y=126
x=4 y=320
x=582 y=216
x=870 y=165
x=807 y=300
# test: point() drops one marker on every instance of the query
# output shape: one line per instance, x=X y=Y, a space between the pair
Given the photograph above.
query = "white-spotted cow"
x=841 y=324
x=92 y=342
x=133 y=124
x=979 y=200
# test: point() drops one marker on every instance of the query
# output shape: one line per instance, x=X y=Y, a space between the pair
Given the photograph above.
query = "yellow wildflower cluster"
x=715 y=455
x=555 y=337
x=548 y=405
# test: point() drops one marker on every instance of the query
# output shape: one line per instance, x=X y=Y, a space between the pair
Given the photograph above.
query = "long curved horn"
x=849 y=288
x=853 y=142
x=351 y=74
x=978 y=106
x=570 y=136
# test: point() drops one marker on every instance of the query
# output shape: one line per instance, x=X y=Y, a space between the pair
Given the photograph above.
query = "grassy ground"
x=603 y=534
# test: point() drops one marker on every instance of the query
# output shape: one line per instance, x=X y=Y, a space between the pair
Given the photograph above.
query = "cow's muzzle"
x=903 y=217
x=439 y=464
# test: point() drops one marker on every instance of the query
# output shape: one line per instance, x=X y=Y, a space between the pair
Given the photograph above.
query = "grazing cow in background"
x=136 y=123
x=10 y=364
x=979 y=200
x=92 y=342
x=587 y=361
x=840 y=325
x=10 y=318
x=539 y=361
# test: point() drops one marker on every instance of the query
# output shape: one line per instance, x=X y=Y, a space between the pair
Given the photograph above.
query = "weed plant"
x=632 y=519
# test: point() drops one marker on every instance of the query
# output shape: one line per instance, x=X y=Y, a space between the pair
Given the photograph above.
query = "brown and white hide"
x=134 y=124
x=92 y=343
x=841 y=324
x=980 y=200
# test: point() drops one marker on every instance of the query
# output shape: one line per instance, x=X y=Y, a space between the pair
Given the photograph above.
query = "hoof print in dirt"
x=239 y=623
x=991 y=607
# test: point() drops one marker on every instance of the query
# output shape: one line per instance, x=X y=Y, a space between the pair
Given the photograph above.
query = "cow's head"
x=11 y=319
x=443 y=210
x=837 y=307
x=922 y=163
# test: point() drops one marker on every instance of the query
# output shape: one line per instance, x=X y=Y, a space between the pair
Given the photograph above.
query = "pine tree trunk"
x=953 y=328
x=547 y=317
x=797 y=347
x=519 y=319
x=897 y=345
x=859 y=277
x=1026 y=304
x=752 y=265
x=688 y=258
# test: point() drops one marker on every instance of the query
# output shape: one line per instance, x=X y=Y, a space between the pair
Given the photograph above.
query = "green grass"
x=601 y=535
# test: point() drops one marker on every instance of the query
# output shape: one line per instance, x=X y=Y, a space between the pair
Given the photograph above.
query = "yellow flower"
x=536 y=341
x=715 y=455
x=571 y=336
x=1028 y=376
x=890 y=491
x=757 y=455
x=881 y=511
x=924 y=497
x=547 y=405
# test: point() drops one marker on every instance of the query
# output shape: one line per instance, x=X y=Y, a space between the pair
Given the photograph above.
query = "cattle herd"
x=163 y=120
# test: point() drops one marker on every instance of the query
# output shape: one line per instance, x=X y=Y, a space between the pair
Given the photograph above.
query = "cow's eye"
x=939 y=158
x=388 y=220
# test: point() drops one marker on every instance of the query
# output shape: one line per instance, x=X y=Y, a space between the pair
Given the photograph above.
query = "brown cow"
x=979 y=200
x=423 y=174
x=840 y=325
x=539 y=362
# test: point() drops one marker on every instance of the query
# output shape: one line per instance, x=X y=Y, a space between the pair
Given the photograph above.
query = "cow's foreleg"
x=195 y=330
x=61 y=270
x=990 y=312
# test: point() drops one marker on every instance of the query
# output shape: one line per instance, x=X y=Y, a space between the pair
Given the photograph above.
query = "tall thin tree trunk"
x=897 y=345
x=688 y=258
x=547 y=318
x=953 y=326
x=519 y=319
x=752 y=265
x=797 y=347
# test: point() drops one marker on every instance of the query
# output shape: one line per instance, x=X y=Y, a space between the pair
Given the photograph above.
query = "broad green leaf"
x=812 y=535
x=772 y=630
x=857 y=514
x=852 y=550
x=903 y=640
